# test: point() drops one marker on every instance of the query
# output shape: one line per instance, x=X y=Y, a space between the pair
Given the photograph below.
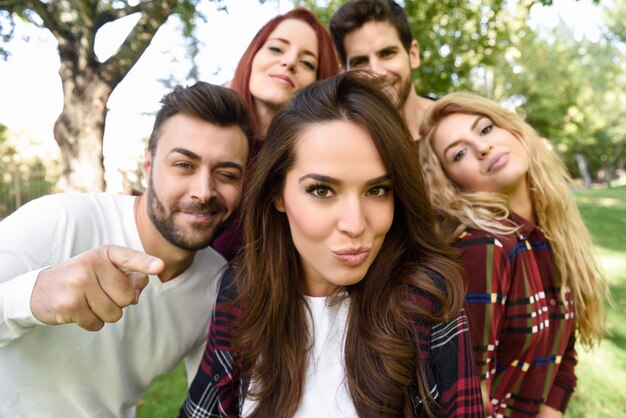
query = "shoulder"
x=426 y=299
x=478 y=238
x=83 y=204
x=226 y=287
x=209 y=260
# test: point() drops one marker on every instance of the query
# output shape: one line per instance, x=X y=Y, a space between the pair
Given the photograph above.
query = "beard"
x=199 y=234
x=397 y=97
x=400 y=97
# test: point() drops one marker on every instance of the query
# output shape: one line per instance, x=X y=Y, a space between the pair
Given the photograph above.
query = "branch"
x=110 y=15
x=153 y=14
x=49 y=14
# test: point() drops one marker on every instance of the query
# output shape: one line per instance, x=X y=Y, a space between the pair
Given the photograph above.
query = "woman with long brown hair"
x=534 y=283
x=346 y=301
x=289 y=52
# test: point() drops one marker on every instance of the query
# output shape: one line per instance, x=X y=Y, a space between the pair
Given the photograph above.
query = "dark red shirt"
x=522 y=327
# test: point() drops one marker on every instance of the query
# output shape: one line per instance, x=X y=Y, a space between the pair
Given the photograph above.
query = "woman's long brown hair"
x=382 y=350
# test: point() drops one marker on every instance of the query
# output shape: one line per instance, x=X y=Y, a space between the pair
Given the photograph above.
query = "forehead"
x=371 y=37
x=297 y=32
x=452 y=128
x=453 y=124
x=202 y=138
x=340 y=149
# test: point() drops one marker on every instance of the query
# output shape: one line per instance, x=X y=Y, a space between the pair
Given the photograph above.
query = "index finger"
x=128 y=260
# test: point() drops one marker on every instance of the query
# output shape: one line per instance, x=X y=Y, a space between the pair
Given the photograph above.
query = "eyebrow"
x=186 y=153
x=332 y=180
x=192 y=155
x=283 y=40
x=478 y=119
x=390 y=48
x=366 y=58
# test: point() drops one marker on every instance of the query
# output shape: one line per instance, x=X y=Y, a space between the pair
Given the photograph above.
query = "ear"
x=414 y=55
x=146 y=166
x=278 y=203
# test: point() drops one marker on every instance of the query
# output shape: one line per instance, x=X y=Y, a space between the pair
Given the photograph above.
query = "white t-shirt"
x=325 y=389
x=64 y=370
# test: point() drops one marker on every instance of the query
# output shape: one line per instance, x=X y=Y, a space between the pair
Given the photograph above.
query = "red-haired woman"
x=288 y=53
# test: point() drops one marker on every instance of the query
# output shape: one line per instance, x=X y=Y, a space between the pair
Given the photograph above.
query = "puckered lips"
x=352 y=256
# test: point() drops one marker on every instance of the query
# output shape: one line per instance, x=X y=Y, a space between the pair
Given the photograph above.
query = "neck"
x=264 y=117
x=521 y=203
x=176 y=259
x=414 y=108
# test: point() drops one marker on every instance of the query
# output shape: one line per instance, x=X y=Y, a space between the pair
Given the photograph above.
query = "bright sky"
x=31 y=88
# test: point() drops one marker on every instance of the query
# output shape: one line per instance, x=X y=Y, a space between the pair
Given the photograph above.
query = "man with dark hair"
x=102 y=293
x=375 y=35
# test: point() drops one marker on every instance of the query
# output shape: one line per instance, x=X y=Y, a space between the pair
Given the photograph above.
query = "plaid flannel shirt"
x=445 y=351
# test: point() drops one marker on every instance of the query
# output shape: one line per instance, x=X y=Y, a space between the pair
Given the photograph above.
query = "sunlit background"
x=31 y=87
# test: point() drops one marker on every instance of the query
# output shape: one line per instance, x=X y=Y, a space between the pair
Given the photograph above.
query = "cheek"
x=306 y=78
x=230 y=194
x=255 y=71
x=463 y=174
x=307 y=224
x=382 y=217
x=164 y=184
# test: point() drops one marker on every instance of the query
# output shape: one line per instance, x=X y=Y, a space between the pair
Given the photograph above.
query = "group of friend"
x=352 y=249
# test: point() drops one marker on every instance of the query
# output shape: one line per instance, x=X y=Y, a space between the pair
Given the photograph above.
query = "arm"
x=30 y=240
x=89 y=289
x=215 y=390
x=487 y=274
x=564 y=383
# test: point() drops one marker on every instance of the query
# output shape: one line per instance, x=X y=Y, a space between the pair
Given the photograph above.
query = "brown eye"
x=319 y=191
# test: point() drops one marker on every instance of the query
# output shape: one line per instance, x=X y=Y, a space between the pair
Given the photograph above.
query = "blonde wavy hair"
x=553 y=204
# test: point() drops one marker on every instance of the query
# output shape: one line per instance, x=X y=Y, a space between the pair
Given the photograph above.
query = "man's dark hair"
x=356 y=13
x=215 y=104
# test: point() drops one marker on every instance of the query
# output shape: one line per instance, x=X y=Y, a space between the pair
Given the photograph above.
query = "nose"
x=288 y=60
x=483 y=149
x=376 y=67
x=352 y=220
x=203 y=187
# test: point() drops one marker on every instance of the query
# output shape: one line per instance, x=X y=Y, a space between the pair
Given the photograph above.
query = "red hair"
x=327 y=59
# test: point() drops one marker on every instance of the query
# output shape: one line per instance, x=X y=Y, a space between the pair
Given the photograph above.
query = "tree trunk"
x=79 y=131
x=87 y=82
x=584 y=171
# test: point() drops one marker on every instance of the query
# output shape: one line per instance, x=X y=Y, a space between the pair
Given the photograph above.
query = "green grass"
x=601 y=373
x=165 y=396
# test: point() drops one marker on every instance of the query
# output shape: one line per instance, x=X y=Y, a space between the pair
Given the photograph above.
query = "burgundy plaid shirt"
x=445 y=352
x=521 y=326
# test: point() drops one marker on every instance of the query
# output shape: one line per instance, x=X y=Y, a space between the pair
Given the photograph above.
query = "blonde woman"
x=534 y=283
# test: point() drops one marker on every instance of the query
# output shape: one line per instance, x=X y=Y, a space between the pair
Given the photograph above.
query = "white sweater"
x=64 y=371
x=326 y=392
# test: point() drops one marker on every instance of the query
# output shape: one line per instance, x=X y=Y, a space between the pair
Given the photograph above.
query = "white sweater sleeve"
x=30 y=240
x=17 y=318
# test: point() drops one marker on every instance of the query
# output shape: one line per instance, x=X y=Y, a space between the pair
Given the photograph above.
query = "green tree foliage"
x=571 y=91
x=615 y=13
x=455 y=36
